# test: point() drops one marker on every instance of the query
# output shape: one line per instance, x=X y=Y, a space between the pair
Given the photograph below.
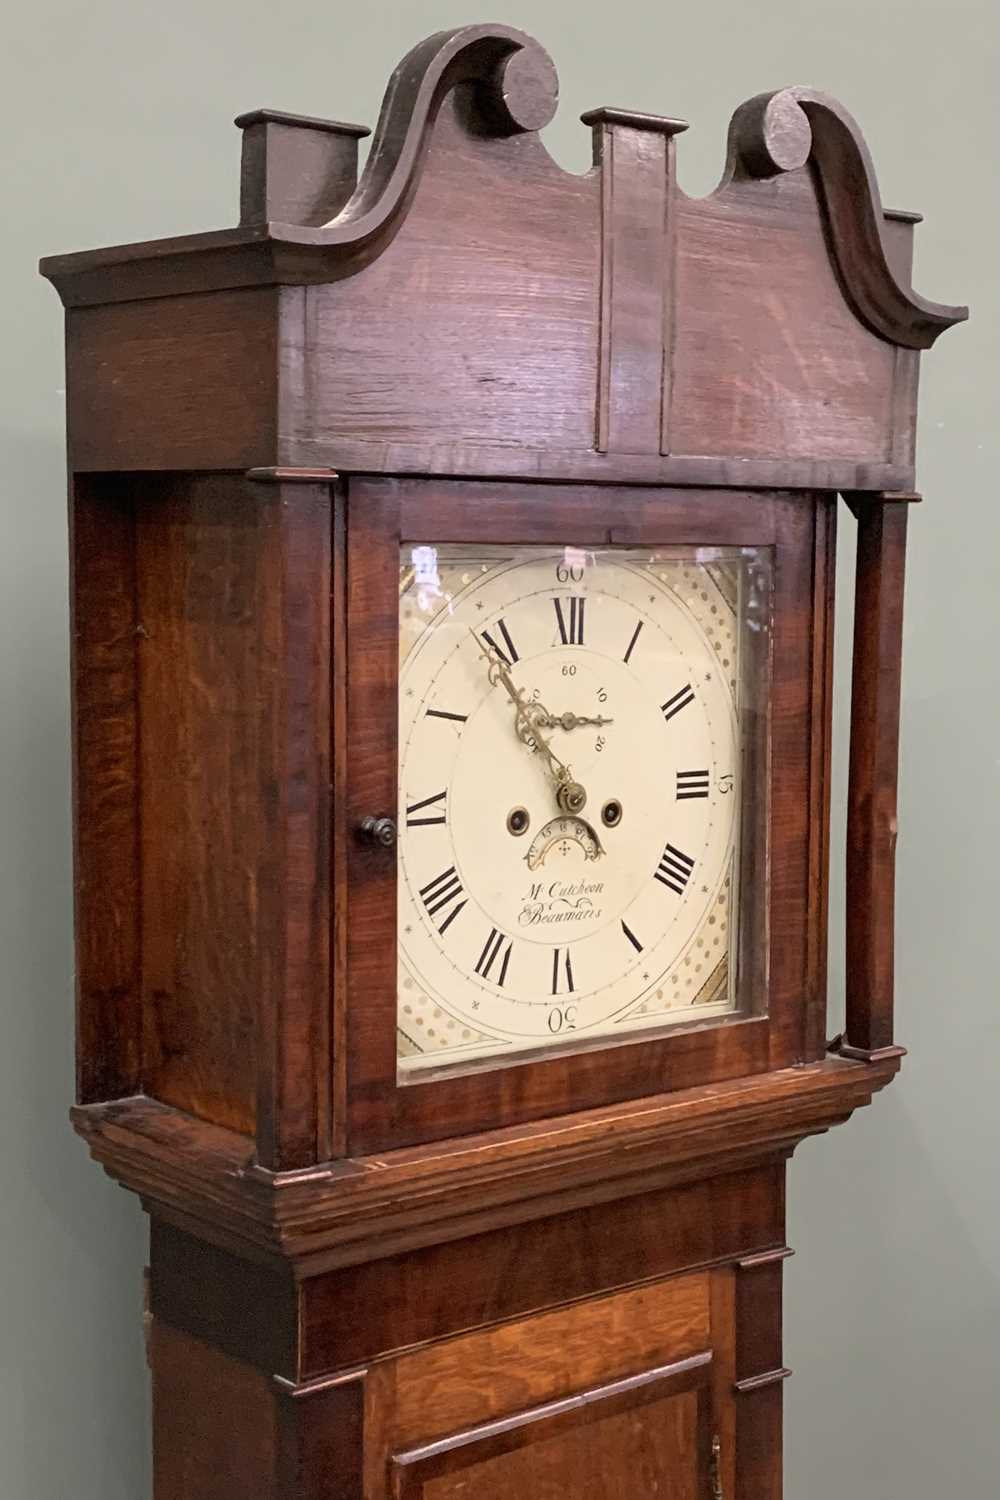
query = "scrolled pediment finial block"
x=529 y=87
x=782 y=132
x=772 y=134
x=515 y=89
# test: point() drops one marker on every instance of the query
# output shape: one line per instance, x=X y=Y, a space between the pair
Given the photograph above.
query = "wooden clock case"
x=563 y=1277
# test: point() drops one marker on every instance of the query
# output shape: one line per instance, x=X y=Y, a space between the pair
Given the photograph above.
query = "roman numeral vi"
x=562 y=971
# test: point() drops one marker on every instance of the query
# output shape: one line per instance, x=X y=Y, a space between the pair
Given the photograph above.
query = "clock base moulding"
x=206 y=1178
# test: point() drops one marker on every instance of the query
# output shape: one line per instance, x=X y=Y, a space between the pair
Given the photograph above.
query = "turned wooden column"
x=874 y=767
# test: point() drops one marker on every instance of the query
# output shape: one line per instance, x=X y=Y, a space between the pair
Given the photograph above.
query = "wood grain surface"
x=105 y=788
x=871 y=798
x=232 y=699
x=604 y=1443
x=465 y=1381
x=611 y=299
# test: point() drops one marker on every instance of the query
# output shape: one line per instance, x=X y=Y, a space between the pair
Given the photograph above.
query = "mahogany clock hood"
x=608 y=297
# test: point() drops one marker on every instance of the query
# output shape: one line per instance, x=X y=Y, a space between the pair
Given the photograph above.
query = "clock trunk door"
x=589 y=717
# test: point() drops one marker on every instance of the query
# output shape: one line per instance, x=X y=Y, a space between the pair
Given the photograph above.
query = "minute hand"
x=526 y=722
x=570 y=795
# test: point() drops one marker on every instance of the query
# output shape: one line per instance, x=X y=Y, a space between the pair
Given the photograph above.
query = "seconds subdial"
x=565 y=837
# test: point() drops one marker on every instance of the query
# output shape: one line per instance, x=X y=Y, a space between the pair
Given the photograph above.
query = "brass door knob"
x=379 y=831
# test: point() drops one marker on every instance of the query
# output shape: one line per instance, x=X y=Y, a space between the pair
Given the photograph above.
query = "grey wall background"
x=118 y=128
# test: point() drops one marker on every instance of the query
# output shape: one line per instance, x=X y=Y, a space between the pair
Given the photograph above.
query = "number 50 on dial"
x=578 y=737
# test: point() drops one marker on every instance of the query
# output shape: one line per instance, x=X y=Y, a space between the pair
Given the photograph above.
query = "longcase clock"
x=453 y=586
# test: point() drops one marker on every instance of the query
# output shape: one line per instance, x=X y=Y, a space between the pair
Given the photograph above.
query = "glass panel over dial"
x=573 y=773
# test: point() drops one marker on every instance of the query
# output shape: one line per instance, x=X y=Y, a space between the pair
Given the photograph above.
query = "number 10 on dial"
x=572 y=779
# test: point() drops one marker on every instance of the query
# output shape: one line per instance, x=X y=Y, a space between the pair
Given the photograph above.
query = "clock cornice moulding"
x=203 y=1177
x=515 y=91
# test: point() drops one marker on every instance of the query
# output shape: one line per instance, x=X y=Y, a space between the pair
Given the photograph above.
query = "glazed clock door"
x=570 y=792
x=565 y=704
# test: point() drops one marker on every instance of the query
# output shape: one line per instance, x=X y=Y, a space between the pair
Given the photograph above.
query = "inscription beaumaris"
x=560 y=901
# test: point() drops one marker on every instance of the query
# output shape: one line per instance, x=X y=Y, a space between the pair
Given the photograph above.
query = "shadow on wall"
x=72 y=1372
x=900 y=1339
x=905 y=1426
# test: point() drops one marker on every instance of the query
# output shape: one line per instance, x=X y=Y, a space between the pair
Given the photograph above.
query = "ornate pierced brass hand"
x=529 y=717
x=569 y=721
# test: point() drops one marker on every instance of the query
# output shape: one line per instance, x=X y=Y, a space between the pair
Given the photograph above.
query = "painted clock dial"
x=570 y=794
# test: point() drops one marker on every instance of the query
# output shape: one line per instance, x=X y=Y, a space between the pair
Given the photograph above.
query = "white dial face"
x=569 y=795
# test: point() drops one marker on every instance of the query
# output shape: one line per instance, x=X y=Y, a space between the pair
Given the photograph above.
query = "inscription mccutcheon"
x=558 y=902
